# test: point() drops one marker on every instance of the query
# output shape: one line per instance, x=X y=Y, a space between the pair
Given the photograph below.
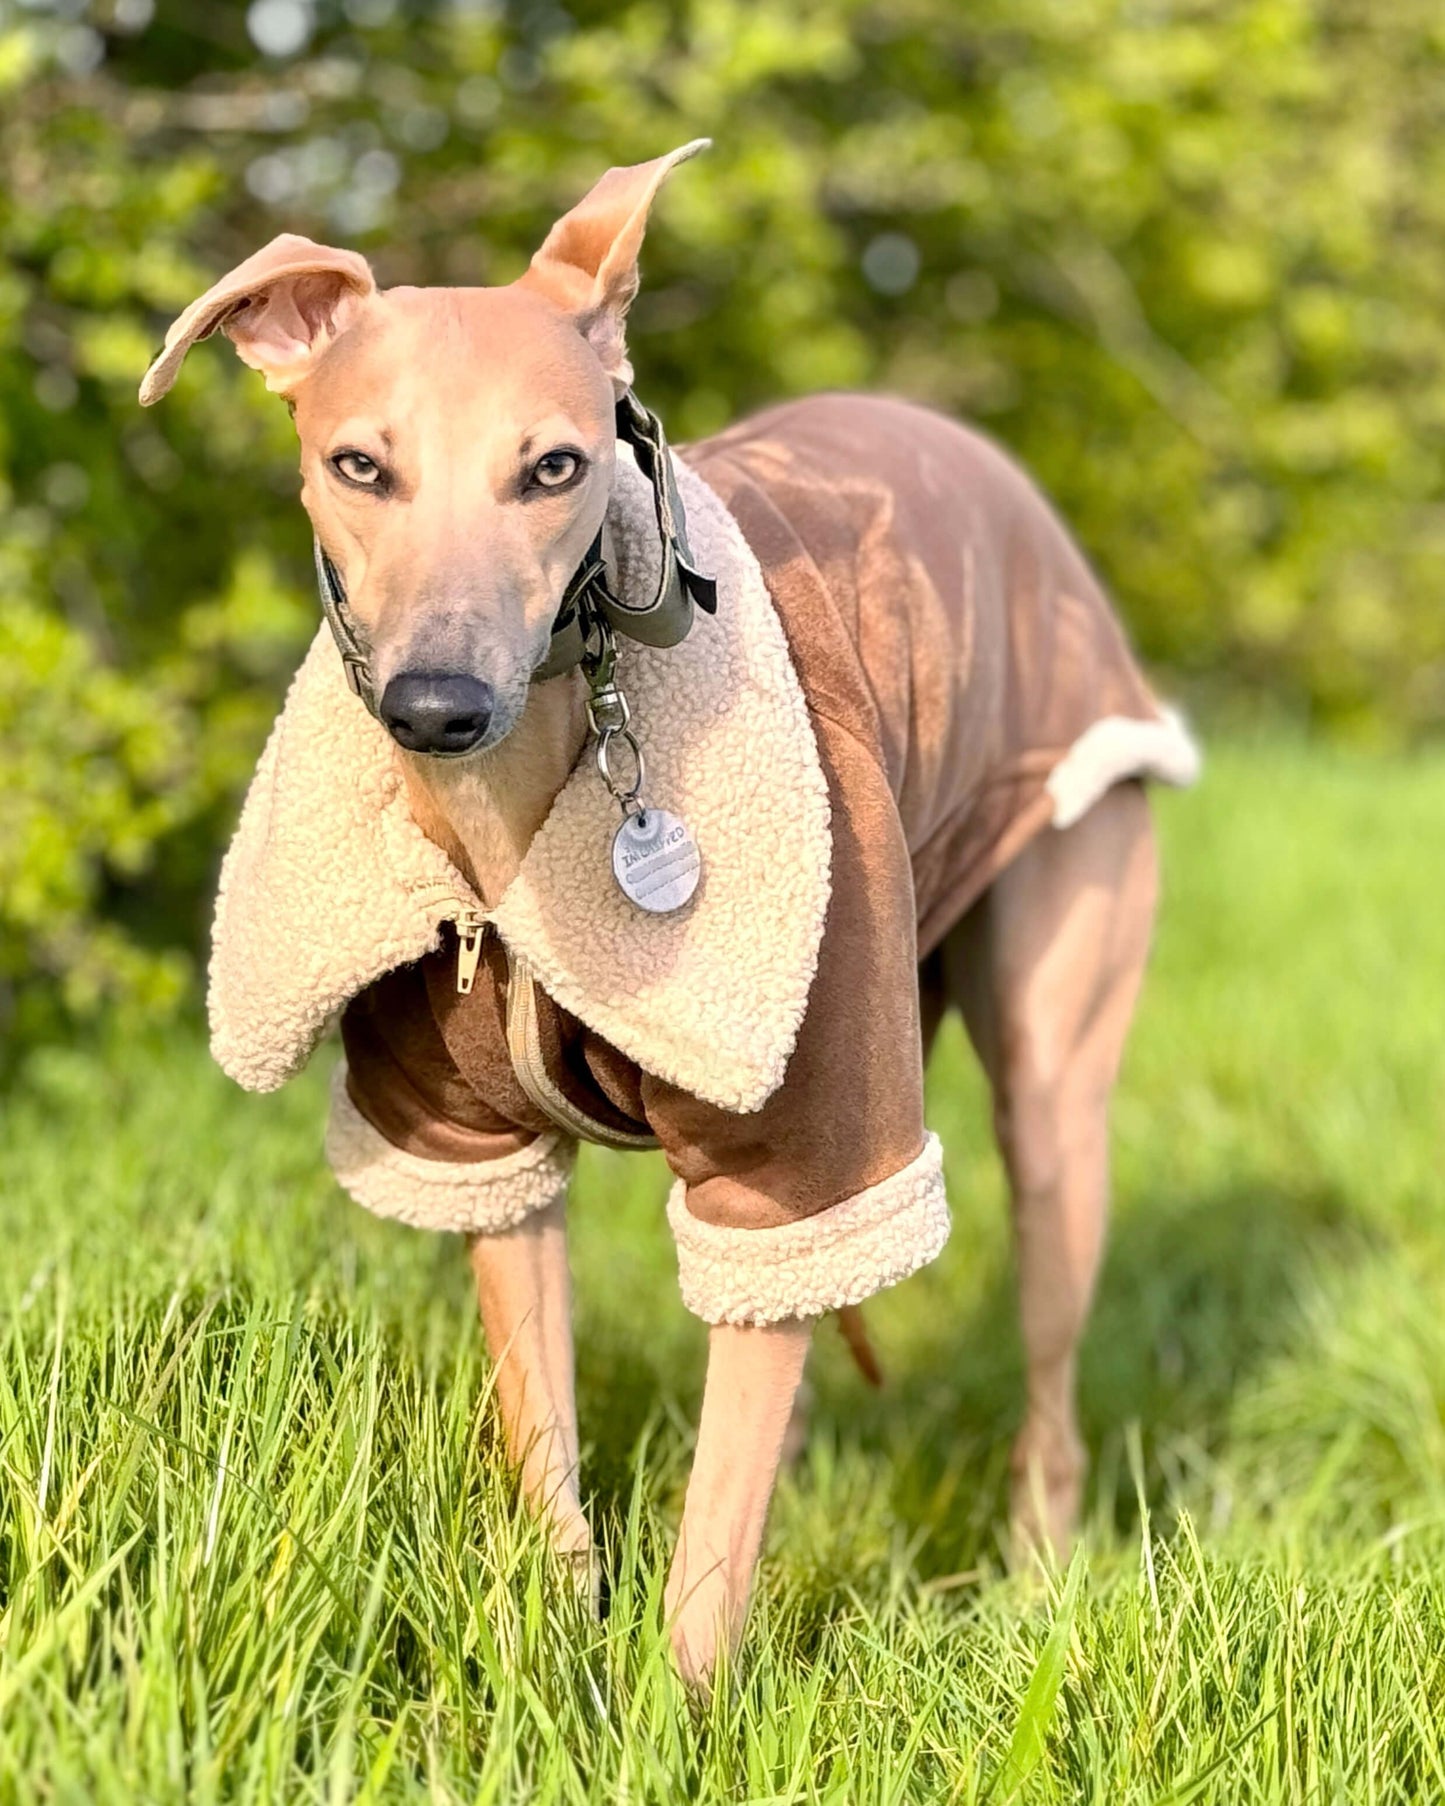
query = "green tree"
x=1186 y=259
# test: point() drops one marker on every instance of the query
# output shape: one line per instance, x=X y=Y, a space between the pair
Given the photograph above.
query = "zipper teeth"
x=524 y=1044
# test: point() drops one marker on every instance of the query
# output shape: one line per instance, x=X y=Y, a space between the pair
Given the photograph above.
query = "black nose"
x=436 y=712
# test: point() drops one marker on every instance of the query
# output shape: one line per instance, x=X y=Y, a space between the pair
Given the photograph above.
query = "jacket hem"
x=839 y=1257
x=475 y=1198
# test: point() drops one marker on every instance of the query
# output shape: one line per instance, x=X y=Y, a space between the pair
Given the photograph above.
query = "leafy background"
x=1186 y=259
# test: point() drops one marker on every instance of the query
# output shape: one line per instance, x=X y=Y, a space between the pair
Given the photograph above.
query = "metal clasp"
x=607 y=710
x=609 y=716
x=624 y=795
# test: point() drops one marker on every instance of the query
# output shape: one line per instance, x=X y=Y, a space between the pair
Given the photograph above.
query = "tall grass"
x=255 y=1542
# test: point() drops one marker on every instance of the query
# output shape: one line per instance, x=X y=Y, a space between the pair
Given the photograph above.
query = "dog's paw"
x=1046 y=1494
x=704 y=1618
x=576 y=1553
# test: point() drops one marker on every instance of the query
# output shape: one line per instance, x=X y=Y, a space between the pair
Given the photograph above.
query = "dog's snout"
x=436 y=711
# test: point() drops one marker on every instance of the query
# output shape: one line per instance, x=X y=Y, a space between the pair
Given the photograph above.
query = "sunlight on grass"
x=255 y=1543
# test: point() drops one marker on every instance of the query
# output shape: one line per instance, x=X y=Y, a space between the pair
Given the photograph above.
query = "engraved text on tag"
x=656 y=860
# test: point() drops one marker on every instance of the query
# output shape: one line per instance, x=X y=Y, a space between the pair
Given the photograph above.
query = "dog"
x=870 y=745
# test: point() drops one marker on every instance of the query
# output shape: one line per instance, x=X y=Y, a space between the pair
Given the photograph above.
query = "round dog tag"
x=656 y=861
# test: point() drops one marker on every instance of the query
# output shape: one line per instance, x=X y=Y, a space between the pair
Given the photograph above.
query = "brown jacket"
x=966 y=686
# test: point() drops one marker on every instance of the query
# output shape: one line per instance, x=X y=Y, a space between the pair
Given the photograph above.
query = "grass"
x=255 y=1543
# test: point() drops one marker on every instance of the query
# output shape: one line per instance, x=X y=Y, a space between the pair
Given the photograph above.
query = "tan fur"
x=1046 y=969
x=455 y=393
x=484 y=812
x=752 y=1378
x=524 y=1293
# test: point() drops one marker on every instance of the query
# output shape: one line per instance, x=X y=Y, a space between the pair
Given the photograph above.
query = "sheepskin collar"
x=329 y=882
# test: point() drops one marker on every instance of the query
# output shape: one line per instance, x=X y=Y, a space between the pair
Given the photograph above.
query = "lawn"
x=256 y=1544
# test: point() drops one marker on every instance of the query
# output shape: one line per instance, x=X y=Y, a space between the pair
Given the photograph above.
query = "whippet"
x=892 y=738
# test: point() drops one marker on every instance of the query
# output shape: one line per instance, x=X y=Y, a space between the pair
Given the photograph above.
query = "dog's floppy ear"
x=279 y=308
x=588 y=264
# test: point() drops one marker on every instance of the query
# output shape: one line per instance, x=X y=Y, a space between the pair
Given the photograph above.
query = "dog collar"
x=588 y=599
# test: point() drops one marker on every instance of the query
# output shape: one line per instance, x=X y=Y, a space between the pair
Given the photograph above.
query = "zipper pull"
x=470 y=928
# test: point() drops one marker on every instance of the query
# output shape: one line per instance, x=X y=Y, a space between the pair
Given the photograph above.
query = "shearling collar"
x=329 y=882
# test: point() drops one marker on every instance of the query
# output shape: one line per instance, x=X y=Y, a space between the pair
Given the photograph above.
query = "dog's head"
x=457 y=445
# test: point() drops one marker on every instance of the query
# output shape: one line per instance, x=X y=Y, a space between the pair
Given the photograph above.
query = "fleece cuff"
x=1118 y=747
x=839 y=1257
x=479 y=1198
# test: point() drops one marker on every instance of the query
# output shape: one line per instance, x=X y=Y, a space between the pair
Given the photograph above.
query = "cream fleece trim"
x=476 y=1199
x=839 y=1257
x=730 y=748
x=1118 y=747
x=329 y=882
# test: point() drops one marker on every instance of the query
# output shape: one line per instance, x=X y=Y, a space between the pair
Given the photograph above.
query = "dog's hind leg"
x=1046 y=969
x=524 y=1291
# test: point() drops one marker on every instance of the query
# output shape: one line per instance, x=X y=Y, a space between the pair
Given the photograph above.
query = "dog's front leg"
x=524 y=1291
x=752 y=1378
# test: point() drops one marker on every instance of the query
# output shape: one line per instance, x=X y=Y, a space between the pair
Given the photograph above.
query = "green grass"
x=255 y=1542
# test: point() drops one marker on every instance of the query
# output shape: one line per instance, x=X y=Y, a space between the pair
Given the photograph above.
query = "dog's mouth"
x=448 y=755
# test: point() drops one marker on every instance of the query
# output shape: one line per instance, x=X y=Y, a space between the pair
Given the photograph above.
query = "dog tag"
x=656 y=861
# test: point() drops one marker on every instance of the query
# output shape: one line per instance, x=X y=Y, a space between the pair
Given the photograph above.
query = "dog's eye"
x=357 y=468
x=556 y=469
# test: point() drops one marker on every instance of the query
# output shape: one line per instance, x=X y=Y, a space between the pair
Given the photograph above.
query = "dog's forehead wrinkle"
x=362 y=429
x=461 y=375
x=553 y=428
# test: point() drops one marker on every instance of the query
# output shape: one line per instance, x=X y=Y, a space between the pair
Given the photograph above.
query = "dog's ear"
x=279 y=308
x=588 y=264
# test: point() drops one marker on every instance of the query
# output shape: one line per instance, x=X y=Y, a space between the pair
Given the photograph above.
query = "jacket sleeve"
x=833 y=1190
x=410 y=1139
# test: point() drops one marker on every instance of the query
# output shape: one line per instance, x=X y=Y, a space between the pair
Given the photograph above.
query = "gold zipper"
x=524 y=1038
x=471 y=926
x=524 y=1044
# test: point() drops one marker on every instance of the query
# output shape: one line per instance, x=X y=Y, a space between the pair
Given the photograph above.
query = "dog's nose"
x=436 y=712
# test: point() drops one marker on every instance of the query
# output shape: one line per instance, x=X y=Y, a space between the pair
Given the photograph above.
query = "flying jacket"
x=910 y=674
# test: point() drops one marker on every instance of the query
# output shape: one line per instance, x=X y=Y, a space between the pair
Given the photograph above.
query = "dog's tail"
x=855 y=1334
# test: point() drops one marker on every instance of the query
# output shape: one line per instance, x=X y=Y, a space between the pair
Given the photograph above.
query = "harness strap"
x=588 y=598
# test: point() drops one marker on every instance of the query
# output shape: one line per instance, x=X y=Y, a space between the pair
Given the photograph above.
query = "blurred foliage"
x=1186 y=259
